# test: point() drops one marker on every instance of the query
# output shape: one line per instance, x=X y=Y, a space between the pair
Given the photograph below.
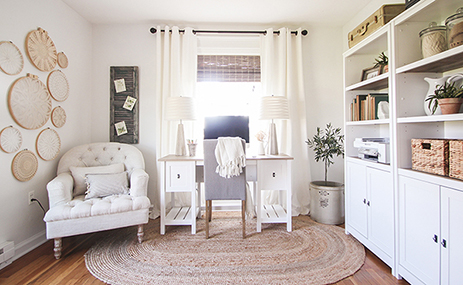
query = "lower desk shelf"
x=274 y=214
x=180 y=216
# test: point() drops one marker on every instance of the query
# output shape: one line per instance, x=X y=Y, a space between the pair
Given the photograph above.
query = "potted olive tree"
x=327 y=197
x=448 y=96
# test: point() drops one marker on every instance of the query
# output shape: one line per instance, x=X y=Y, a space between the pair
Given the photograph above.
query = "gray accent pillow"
x=102 y=185
x=78 y=173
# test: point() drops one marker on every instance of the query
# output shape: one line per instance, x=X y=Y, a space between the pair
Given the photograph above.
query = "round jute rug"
x=311 y=254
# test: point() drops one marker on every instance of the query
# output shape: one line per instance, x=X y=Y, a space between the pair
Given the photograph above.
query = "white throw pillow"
x=102 y=185
x=78 y=173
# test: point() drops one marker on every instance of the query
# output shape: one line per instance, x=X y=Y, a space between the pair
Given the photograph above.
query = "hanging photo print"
x=120 y=85
x=121 y=128
x=129 y=103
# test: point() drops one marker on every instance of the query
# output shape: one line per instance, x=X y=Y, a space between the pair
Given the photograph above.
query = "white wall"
x=127 y=45
x=323 y=87
x=19 y=221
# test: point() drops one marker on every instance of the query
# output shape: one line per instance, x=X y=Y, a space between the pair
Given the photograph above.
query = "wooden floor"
x=40 y=267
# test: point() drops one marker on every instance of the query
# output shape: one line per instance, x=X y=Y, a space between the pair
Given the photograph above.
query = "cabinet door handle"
x=444 y=243
x=178 y=176
x=435 y=239
x=368 y=203
x=364 y=201
x=273 y=174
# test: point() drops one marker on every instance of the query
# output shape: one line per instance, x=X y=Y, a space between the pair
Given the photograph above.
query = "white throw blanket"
x=230 y=156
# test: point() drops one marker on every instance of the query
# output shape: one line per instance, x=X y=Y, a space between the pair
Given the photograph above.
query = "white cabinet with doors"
x=370 y=207
x=431 y=232
x=414 y=256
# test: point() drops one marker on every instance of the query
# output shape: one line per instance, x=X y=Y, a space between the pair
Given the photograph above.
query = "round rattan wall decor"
x=58 y=117
x=29 y=102
x=62 y=60
x=58 y=85
x=11 y=59
x=10 y=139
x=41 y=50
x=24 y=165
x=48 y=144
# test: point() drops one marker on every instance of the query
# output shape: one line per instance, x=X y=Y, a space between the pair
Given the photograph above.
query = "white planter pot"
x=327 y=202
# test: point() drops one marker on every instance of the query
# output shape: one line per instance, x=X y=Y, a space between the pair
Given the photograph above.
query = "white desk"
x=184 y=174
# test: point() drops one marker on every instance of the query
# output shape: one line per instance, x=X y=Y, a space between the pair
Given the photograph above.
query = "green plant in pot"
x=448 y=96
x=327 y=197
x=383 y=62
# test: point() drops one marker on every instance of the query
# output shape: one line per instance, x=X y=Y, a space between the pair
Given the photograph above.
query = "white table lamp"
x=180 y=108
x=273 y=107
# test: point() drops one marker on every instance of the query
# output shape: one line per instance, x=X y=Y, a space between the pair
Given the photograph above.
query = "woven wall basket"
x=41 y=50
x=29 y=102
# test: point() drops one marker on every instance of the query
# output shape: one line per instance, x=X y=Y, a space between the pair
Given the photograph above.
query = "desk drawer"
x=180 y=176
x=272 y=175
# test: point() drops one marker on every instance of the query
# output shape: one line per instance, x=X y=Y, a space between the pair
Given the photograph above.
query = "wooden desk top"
x=172 y=157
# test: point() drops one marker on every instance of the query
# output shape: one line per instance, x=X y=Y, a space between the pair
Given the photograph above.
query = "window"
x=229 y=85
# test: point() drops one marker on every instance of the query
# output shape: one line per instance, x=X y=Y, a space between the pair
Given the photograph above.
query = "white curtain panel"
x=175 y=76
x=282 y=75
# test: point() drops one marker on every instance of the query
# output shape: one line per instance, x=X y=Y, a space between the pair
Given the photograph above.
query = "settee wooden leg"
x=140 y=233
x=58 y=245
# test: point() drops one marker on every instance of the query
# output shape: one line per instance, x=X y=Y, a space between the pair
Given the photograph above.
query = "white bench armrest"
x=139 y=183
x=60 y=189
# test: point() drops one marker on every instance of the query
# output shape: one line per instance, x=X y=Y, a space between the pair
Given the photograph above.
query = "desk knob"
x=178 y=176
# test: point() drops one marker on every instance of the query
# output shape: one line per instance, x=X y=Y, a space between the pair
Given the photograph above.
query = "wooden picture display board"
x=124 y=104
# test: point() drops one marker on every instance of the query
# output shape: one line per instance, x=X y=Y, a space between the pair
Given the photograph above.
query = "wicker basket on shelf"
x=456 y=159
x=431 y=155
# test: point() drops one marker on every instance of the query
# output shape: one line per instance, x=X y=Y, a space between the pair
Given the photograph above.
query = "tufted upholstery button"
x=89 y=149
x=80 y=158
x=112 y=158
x=96 y=158
x=104 y=148
x=118 y=148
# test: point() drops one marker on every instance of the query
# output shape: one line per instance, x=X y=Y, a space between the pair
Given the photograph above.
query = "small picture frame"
x=121 y=128
x=370 y=73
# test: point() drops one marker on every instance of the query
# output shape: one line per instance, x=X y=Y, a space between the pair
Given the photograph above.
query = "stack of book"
x=365 y=107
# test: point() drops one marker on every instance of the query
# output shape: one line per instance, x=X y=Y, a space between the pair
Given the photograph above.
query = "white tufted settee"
x=72 y=214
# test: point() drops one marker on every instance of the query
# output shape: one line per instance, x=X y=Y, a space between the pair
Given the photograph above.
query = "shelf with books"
x=369 y=106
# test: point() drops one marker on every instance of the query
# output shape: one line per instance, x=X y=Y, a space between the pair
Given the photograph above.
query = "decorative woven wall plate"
x=58 y=117
x=10 y=139
x=62 y=60
x=48 y=144
x=29 y=102
x=41 y=50
x=58 y=85
x=11 y=59
x=24 y=165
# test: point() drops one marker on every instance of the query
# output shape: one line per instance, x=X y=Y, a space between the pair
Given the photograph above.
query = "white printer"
x=374 y=149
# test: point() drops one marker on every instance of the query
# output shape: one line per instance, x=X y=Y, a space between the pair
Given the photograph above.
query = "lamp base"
x=180 y=148
x=272 y=147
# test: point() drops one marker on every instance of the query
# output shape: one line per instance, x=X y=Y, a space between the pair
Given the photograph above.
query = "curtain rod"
x=304 y=32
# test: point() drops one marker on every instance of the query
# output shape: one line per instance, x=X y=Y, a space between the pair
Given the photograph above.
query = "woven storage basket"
x=431 y=155
x=456 y=159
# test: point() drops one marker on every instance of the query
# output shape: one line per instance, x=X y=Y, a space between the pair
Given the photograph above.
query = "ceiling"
x=292 y=13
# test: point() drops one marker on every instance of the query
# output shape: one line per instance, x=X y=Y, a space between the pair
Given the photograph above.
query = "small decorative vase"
x=450 y=105
x=261 y=149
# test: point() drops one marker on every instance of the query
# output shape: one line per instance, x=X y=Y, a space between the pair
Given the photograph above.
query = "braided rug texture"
x=311 y=254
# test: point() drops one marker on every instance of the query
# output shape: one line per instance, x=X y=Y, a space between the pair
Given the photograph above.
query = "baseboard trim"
x=29 y=244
